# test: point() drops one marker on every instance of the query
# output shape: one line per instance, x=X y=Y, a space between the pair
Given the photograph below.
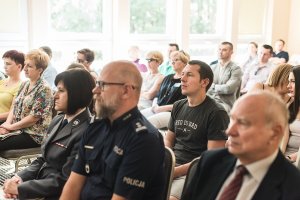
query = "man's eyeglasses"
x=101 y=84
x=151 y=59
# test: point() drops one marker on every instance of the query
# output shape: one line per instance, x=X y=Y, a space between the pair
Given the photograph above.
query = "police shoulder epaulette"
x=139 y=127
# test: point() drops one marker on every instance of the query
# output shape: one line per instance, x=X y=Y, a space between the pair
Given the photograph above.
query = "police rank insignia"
x=76 y=122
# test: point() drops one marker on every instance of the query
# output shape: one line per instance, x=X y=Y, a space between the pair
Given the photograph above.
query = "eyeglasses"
x=175 y=60
x=101 y=84
x=151 y=59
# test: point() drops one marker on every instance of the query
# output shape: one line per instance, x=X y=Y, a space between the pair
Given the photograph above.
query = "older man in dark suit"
x=257 y=124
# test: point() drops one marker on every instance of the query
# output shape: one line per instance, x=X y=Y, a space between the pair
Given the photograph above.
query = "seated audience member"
x=291 y=144
x=259 y=72
x=46 y=176
x=227 y=77
x=75 y=66
x=86 y=57
x=50 y=72
x=280 y=56
x=151 y=80
x=80 y=66
x=31 y=111
x=134 y=55
x=169 y=92
x=13 y=65
x=166 y=67
x=252 y=167
x=277 y=82
x=126 y=160
x=197 y=123
x=251 y=57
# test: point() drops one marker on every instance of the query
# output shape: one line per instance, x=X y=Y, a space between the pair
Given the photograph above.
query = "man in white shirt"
x=257 y=124
x=259 y=72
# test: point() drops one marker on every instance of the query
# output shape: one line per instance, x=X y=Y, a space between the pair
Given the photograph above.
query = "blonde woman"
x=151 y=80
x=169 y=92
x=277 y=82
x=31 y=112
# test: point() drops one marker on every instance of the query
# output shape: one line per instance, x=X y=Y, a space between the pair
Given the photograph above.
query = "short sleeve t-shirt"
x=282 y=54
x=194 y=126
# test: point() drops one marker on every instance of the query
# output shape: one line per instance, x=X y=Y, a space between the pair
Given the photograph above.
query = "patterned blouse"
x=37 y=102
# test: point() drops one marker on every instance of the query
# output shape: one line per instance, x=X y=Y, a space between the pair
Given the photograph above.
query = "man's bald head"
x=272 y=106
x=257 y=124
x=125 y=72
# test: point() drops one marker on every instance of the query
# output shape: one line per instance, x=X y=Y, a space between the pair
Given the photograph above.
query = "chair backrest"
x=189 y=175
x=169 y=165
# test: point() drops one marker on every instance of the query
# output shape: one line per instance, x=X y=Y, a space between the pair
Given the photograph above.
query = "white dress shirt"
x=252 y=180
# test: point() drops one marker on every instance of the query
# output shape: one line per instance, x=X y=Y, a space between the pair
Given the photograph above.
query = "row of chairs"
x=23 y=157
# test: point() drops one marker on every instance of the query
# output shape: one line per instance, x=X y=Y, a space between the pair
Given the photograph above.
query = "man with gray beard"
x=121 y=155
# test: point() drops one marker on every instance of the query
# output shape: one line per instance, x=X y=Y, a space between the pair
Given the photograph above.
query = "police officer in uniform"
x=46 y=176
x=121 y=155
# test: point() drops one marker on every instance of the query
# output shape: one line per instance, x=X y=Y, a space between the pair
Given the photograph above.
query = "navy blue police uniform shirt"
x=125 y=158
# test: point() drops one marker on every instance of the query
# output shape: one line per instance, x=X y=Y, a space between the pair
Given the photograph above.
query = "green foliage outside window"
x=203 y=16
x=147 y=16
x=76 y=15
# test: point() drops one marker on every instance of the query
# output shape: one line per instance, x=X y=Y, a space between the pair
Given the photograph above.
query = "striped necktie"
x=231 y=191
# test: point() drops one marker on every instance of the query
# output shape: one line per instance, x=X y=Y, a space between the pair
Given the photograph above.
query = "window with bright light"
x=147 y=17
x=76 y=24
x=207 y=26
x=69 y=16
x=203 y=17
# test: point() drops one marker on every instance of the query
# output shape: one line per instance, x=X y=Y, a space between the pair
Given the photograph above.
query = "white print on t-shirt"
x=179 y=122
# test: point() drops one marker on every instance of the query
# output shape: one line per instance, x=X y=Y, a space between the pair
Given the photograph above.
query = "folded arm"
x=231 y=85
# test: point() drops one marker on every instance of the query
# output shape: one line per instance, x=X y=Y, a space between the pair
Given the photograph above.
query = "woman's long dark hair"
x=294 y=107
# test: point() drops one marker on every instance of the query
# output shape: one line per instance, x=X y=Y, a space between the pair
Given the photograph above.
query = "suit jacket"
x=282 y=180
x=226 y=85
x=46 y=176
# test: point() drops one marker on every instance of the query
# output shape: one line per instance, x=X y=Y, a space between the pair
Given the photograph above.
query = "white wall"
x=294 y=28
